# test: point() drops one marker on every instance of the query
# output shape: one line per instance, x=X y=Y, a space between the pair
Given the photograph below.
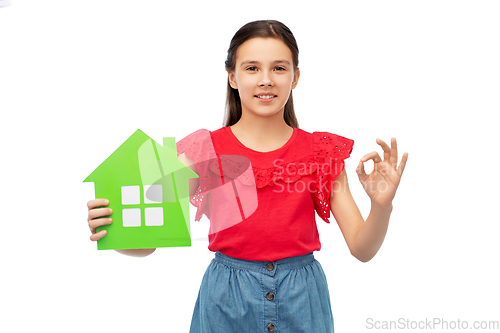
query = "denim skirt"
x=288 y=295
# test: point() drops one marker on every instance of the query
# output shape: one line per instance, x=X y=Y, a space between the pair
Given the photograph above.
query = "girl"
x=264 y=276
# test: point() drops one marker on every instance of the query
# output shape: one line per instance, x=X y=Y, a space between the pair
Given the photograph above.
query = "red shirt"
x=262 y=205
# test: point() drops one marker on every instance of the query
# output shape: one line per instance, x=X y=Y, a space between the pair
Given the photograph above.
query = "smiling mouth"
x=266 y=96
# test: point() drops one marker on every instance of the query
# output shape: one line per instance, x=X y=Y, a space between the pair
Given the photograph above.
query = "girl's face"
x=264 y=76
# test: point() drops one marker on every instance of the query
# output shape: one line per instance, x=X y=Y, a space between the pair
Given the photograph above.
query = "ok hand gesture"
x=381 y=184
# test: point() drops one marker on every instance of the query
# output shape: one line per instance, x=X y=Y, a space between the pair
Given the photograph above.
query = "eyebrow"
x=281 y=61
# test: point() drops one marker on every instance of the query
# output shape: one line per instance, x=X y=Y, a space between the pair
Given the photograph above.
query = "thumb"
x=360 y=170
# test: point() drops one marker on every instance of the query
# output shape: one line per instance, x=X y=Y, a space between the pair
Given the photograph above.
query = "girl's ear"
x=296 y=79
x=232 y=80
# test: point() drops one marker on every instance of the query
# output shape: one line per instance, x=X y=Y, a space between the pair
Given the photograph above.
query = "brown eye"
x=279 y=68
x=251 y=68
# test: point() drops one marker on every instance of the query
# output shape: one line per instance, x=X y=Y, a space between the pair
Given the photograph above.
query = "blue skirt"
x=289 y=295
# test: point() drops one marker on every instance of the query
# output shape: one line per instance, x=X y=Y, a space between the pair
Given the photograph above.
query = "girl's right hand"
x=95 y=218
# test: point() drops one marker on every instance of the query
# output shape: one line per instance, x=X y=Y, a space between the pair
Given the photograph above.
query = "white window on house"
x=131 y=217
x=131 y=195
x=153 y=216
x=152 y=194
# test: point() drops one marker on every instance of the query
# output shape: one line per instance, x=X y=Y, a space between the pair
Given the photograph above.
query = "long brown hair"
x=265 y=29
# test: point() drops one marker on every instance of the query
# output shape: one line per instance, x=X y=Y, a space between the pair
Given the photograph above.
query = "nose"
x=266 y=80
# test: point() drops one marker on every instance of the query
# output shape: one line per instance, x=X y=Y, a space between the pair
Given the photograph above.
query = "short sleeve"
x=198 y=146
x=330 y=152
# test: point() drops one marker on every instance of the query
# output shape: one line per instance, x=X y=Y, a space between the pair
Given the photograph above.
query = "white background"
x=79 y=77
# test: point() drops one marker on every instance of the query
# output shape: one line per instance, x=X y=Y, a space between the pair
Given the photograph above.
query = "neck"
x=262 y=128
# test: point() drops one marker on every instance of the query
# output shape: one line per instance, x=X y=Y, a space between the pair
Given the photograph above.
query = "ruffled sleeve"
x=330 y=151
x=198 y=146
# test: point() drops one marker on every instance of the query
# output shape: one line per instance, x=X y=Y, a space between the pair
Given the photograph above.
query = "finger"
x=371 y=156
x=386 y=148
x=97 y=203
x=99 y=222
x=394 y=153
x=99 y=212
x=97 y=236
x=402 y=165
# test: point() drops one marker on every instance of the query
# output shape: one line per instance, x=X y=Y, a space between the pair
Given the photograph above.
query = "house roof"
x=141 y=160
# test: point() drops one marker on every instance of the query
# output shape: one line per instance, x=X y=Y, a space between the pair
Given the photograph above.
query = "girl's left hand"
x=381 y=184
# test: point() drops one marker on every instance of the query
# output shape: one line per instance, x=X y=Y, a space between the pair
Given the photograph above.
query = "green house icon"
x=148 y=191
